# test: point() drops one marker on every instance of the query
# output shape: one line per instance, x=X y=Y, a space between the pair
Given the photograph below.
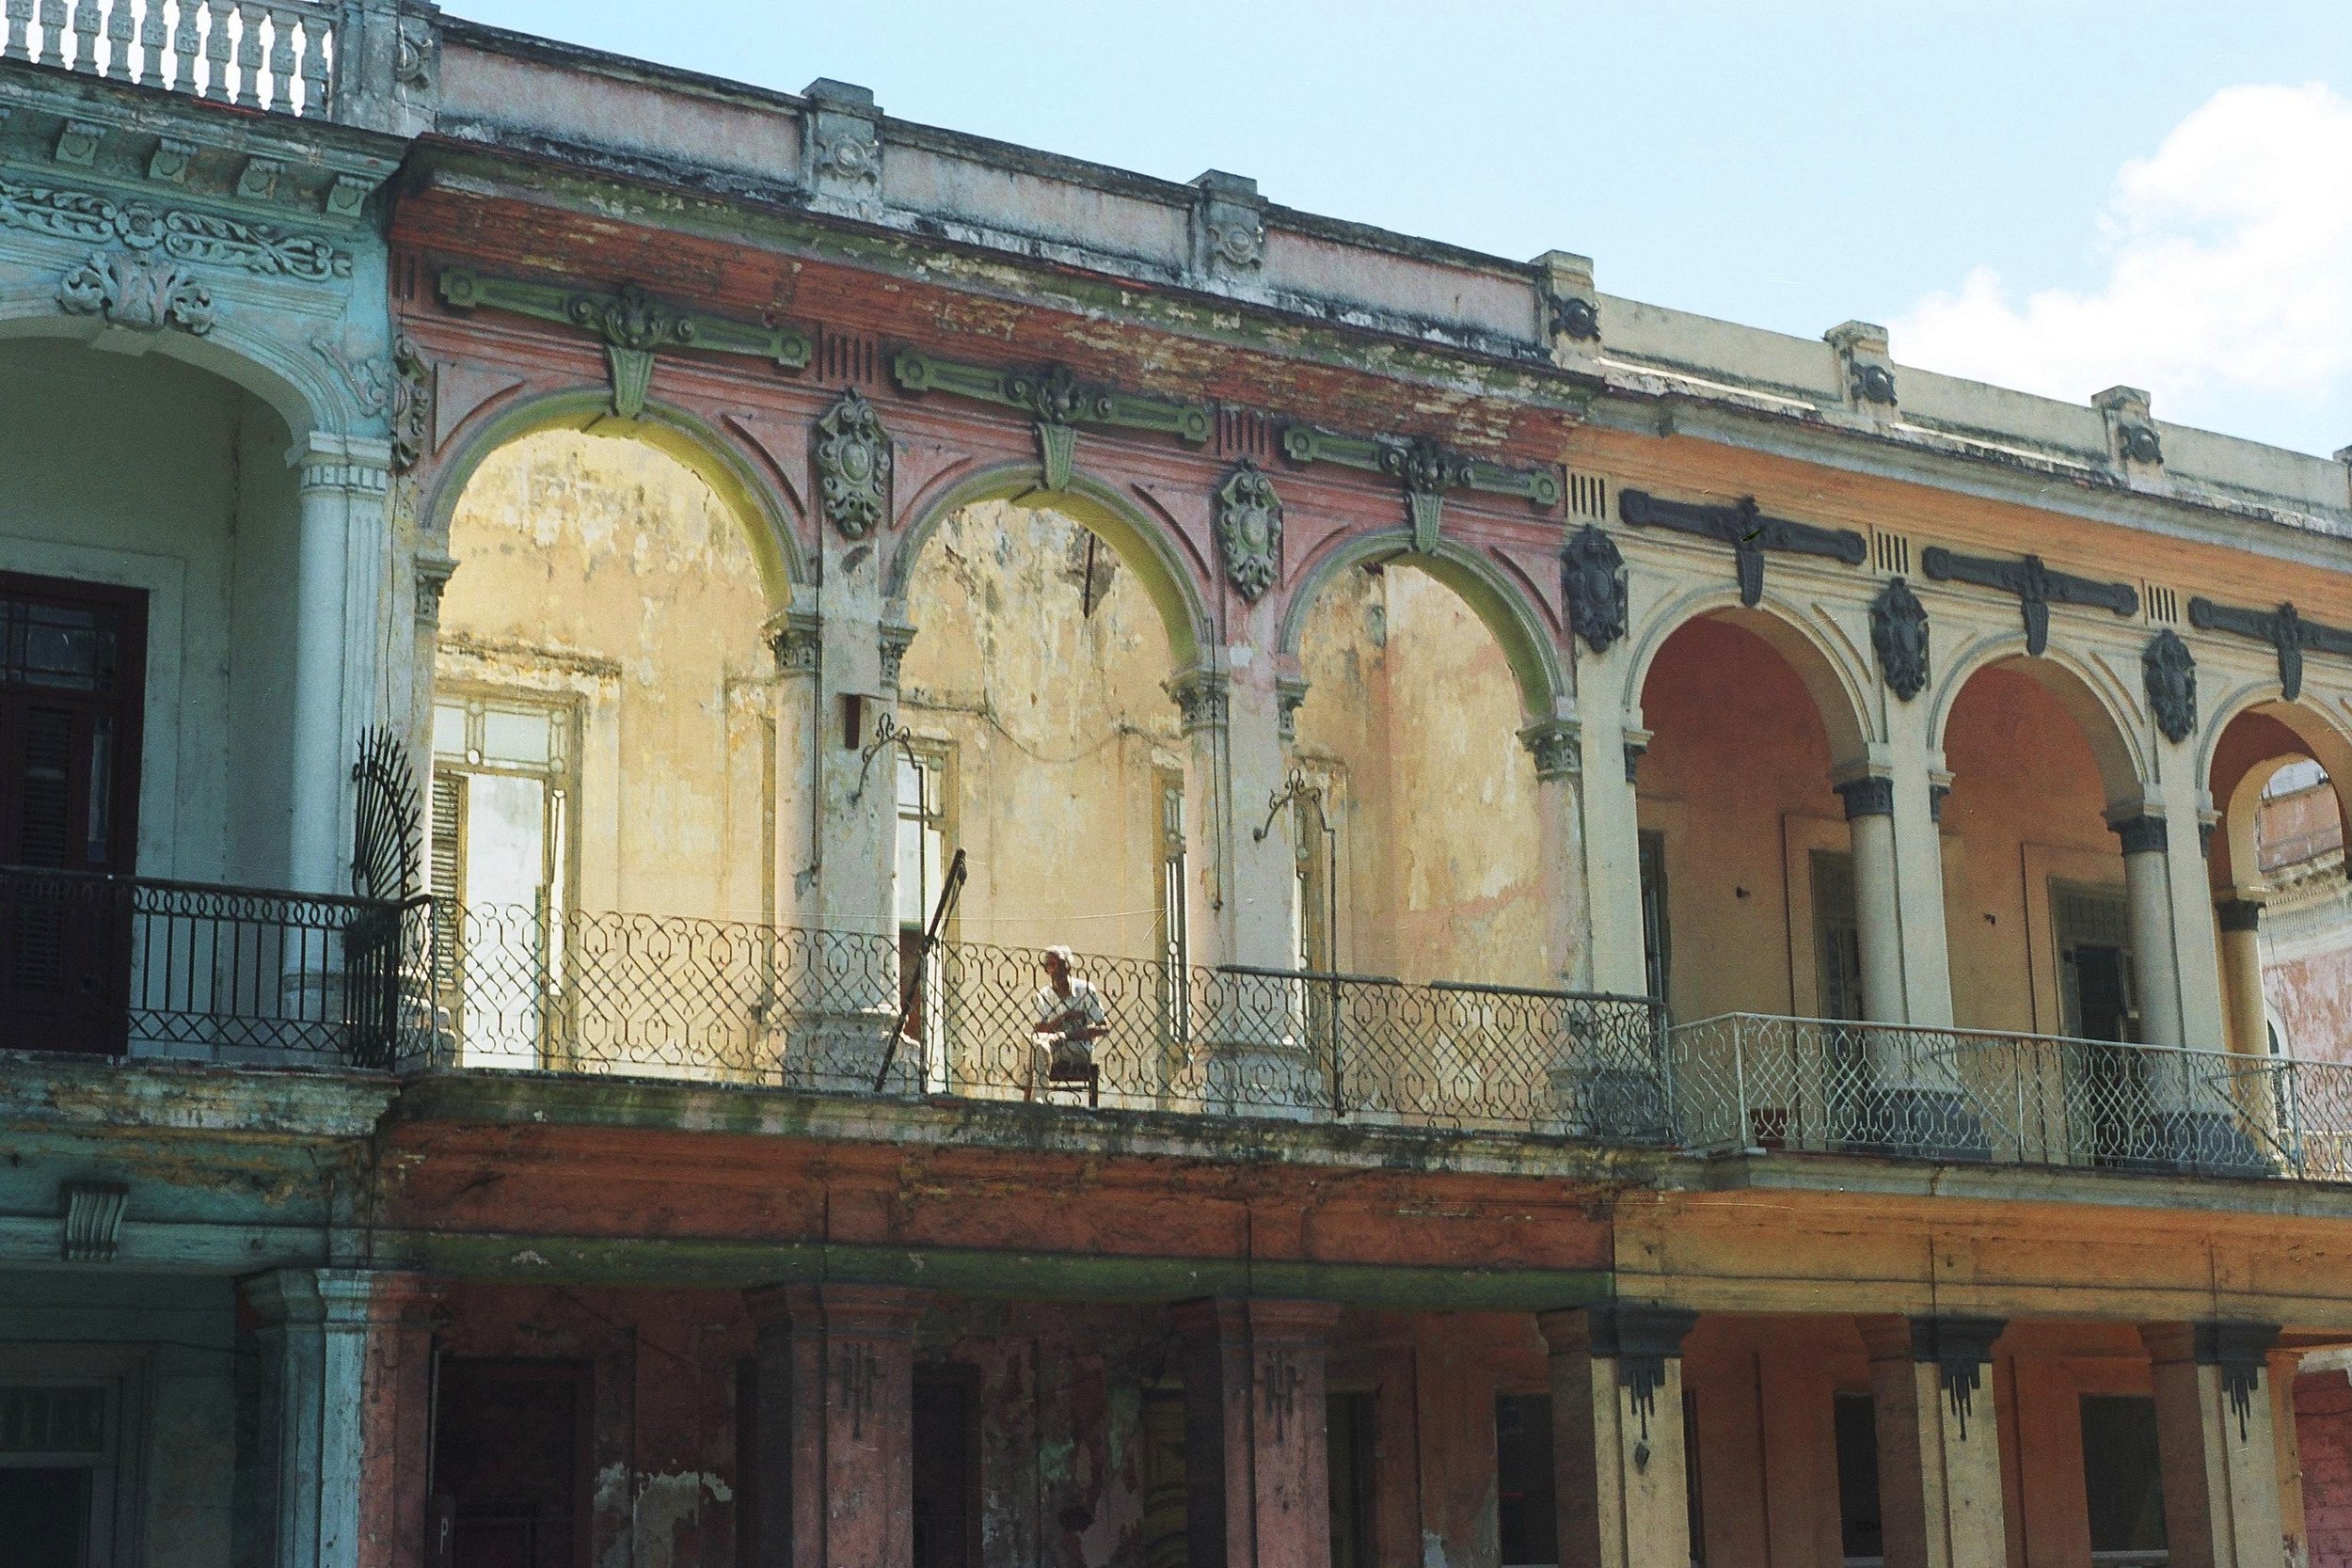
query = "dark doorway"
x=44 y=1517
x=1860 y=1531
x=1352 y=1427
x=1528 y=1517
x=511 y=1462
x=947 y=1466
x=72 y=674
x=2123 y=1481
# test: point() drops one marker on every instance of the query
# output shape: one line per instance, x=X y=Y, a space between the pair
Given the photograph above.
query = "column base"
x=1607 y=1103
x=1921 y=1124
x=841 y=1052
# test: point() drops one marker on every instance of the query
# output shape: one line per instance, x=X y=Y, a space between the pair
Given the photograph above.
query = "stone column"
x=2215 y=1443
x=338 y=586
x=1258 y=1487
x=397 y=1418
x=2240 y=922
x=1878 y=905
x=1939 y=1441
x=835 y=1424
x=1557 y=748
x=2148 y=885
x=1617 y=1434
x=307 y=1462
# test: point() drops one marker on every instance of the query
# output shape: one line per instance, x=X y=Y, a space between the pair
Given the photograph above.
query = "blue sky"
x=2059 y=196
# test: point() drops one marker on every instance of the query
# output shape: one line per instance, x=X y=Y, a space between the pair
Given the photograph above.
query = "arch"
x=1534 y=661
x=668 y=429
x=1143 y=544
x=301 y=390
x=1836 y=693
x=2316 y=737
x=2101 y=712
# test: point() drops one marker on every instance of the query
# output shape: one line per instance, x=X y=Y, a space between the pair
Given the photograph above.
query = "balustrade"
x=275 y=55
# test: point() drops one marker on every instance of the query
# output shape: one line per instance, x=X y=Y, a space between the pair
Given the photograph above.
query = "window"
x=2122 y=1482
x=502 y=806
x=1528 y=1516
x=1656 y=959
x=1175 y=944
x=1859 y=1526
x=922 y=871
x=947 y=1466
x=1837 y=934
x=70 y=1422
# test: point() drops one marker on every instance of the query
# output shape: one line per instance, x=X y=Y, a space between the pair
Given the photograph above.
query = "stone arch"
x=1141 y=544
x=668 y=429
x=299 y=388
x=2101 y=711
x=1837 y=691
x=2319 y=737
x=1499 y=604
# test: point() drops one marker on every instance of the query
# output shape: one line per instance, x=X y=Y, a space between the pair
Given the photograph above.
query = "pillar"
x=1613 y=832
x=2240 y=924
x=397 y=1419
x=1878 y=907
x=2215 y=1443
x=2148 y=886
x=1256 y=1477
x=341 y=548
x=1617 y=1434
x=835 y=1424
x=1939 y=1441
x=315 y=1420
x=1557 y=748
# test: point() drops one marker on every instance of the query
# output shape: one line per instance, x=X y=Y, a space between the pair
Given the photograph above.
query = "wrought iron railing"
x=746 y=1002
x=278 y=54
x=1749 y=1081
x=119 y=965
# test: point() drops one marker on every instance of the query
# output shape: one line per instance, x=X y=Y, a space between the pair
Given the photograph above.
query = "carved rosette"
x=143 y=292
x=2170 y=672
x=1898 y=630
x=1593 y=586
x=1249 y=530
x=853 y=460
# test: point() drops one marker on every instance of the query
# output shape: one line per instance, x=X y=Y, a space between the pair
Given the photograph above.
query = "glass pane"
x=912 y=890
x=449 y=729
x=44 y=1515
x=99 y=834
x=520 y=738
x=64 y=648
x=909 y=785
x=506 y=839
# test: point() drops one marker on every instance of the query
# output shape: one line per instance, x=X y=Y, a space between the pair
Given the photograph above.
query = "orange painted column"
x=2214 y=1441
x=396 y=1396
x=836 y=1424
x=1617 y=1434
x=1256 y=1455
x=1939 y=1441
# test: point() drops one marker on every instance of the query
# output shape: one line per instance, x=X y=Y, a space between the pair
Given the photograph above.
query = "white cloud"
x=2229 y=274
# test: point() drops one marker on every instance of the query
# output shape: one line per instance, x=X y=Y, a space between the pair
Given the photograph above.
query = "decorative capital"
x=798 y=639
x=433 y=569
x=1289 y=695
x=2239 y=914
x=1201 y=699
x=2170 y=673
x=853 y=457
x=1249 y=530
x=1557 y=745
x=2141 y=834
x=1593 y=587
x=896 y=637
x=1638 y=1337
x=1871 y=795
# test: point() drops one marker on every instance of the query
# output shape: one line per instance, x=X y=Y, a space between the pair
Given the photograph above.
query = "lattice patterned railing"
x=277 y=54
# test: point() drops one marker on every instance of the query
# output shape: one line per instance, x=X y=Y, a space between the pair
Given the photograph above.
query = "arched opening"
x=2282 y=904
x=2038 y=916
x=1749 y=898
x=605 y=741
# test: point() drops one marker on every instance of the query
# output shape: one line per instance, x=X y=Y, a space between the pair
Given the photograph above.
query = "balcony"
x=274 y=55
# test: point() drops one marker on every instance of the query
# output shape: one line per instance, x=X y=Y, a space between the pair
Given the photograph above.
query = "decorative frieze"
x=852 y=458
x=1058 y=399
x=1749 y=531
x=2284 y=628
x=1898 y=631
x=1426 y=468
x=1249 y=530
x=1593 y=587
x=2170 y=675
x=633 y=324
x=140 y=291
x=178 y=232
x=2036 y=586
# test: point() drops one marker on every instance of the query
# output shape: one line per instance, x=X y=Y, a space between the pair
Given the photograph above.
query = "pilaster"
x=312 y=1440
x=1557 y=748
x=1617 y=1434
x=2215 y=1443
x=1255 y=1458
x=1939 y=1441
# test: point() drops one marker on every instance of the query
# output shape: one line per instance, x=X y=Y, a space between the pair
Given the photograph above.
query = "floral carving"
x=1592 y=584
x=1238 y=237
x=144 y=292
x=1250 y=529
x=857 y=159
x=853 y=466
x=1898 y=630
x=411 y=411
x=177 y=232
x=2172 y=676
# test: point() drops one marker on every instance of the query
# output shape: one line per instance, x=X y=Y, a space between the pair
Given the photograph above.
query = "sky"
x=2059 y=196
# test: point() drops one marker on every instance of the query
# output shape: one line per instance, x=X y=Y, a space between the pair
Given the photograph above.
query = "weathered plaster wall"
x=598 y=571
x=144 y=472
x=2323 y=1423
x=1054 y=725
x=1412 y=712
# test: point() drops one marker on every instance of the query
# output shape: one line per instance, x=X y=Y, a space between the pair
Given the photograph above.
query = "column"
x=2240 y=922
x=338 y=582
x=835 y=1424
x=1916 y=782
x=397 y=1418
x=2148 y=885
x=307 y=1462
x=1878 y=907
x=1617 y=1434
x=1557 y=748
x=1939 y=1441
x=1612 y=833
x=1258 y=1489
x=2215 y=1443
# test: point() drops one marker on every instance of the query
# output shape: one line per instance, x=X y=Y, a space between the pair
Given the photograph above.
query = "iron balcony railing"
x=107 y=965
x=277 y=54
x=745 y=1003
x=1750 y=1081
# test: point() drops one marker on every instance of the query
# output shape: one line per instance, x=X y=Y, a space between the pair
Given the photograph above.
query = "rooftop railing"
x=101 y=965
x=277 y=54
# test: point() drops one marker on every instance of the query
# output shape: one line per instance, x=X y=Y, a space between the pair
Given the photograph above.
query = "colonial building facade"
x=733 y=832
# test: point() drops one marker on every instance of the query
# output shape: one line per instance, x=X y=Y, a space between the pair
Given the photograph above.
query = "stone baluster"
x=217 y=67
x=82 y=48
x=20 y=14
x=52 y=32
x=282 y=61
x=187 y=42
x=154 y=32
x=249 y=56
x=315 y=68
x=122 y=29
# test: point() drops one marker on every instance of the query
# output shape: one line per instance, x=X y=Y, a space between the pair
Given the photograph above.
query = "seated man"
x=1070 y=1019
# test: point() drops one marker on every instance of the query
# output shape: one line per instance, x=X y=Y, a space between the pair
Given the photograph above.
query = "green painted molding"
x=1058 y=399
x=1426 y=469
x=632 y=323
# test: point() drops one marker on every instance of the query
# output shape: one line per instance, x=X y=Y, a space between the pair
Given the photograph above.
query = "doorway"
x=2109 y=1107
x=511 y=1464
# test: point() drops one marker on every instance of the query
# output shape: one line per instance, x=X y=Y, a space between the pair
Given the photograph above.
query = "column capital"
x=1866 y=794
x=1959 y=1347
x=894 y=637
x=351 y=465
x=1290 y=692
x=2239 y=914
x=434 y=568
x=1557 y=745
x=1202 y=697
x=797 y=638
x=2143 y=833
x=308 y=1298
